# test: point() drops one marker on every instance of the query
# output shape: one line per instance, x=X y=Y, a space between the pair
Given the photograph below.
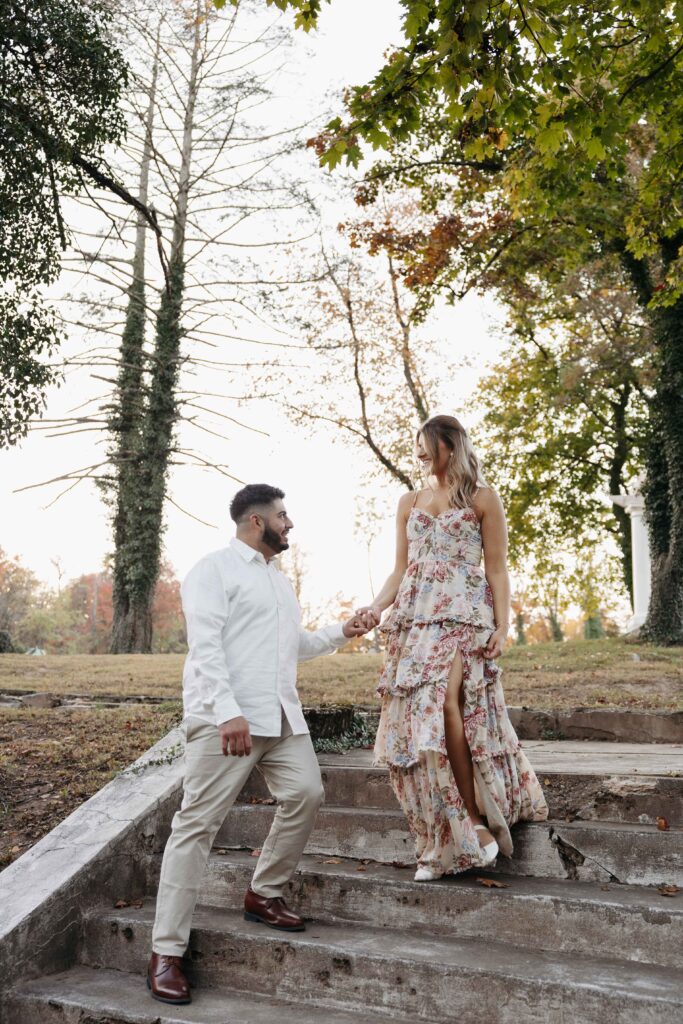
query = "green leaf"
x=595 y=149
x=549 y=139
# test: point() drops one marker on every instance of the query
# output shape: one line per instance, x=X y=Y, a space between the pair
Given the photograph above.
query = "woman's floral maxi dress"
x=443 y=605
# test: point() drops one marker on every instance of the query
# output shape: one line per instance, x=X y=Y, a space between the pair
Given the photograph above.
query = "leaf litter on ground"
x=669 y=890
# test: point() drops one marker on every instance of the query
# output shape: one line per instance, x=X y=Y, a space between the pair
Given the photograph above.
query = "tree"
x=575 y=122
x=78 y=618
x=295 y=567
x=19 y=589
x=565 y=420
x=207 y=167
x=367 y=375
x=62 y=81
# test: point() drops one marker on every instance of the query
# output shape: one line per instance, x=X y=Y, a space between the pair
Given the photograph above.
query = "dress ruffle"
x=444 y=606
x=441 y=590
x=413 y=687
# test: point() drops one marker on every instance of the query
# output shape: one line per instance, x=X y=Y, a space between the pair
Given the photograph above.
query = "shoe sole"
x=248 y=916
x=171 y=1002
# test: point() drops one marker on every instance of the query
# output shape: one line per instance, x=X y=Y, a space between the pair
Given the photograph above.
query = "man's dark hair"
x=251 y=496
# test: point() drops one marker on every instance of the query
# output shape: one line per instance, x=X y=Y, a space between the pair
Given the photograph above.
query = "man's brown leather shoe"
x=272 y=911
x=166 y=981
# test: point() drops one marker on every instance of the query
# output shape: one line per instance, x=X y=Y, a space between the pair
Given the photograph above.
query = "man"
x=241 y=709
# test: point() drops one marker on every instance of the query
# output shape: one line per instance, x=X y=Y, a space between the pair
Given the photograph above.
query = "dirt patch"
x=50 y=763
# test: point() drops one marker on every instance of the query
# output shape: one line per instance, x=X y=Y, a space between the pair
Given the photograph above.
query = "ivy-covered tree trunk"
x=556 y=633
x=139 y=551
x=664 y=482
x=520 y=634
x=593 y=628
x=141 y=501
x=131 y=632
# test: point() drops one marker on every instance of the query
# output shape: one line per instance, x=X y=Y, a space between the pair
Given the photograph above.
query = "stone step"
x=86 y=996
x=415 y=974
x=639 y=799
x=632 y=922
x=582 y=851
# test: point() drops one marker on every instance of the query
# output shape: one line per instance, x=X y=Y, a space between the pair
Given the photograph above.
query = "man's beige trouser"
x=212 y=783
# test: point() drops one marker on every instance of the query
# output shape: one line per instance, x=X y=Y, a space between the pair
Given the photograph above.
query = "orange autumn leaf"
x=492 y=883
x=662 y=824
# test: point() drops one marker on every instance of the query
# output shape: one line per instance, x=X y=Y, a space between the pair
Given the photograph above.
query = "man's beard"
x=274 y=540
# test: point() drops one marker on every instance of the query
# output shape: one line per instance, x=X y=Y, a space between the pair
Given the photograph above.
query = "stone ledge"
x=106 y=847
x=598 y=724
x=615 y=725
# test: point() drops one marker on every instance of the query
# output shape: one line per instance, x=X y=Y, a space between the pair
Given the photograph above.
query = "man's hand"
x=354 y=627
x=235 y=737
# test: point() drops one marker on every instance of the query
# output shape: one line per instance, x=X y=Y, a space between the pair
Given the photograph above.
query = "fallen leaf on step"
x=662 y=824
x=401 y=864
x=492 y=883
x=120 y=904
x=361 y=867
x=546 y=782
x=332 y=860
x=255 y=853
x=605 y=888
x=220 y=850
x=262 y=800
x=668 y=890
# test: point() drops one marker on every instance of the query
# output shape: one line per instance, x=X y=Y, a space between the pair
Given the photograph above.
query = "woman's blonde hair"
x=463 y=475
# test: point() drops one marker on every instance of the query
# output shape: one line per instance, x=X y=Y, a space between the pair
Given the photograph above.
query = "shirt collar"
x=248 y=553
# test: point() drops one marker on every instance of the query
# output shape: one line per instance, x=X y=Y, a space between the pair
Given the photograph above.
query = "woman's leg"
x=457 y=746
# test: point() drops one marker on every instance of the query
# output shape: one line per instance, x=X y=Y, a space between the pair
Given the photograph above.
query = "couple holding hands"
x=454 y=760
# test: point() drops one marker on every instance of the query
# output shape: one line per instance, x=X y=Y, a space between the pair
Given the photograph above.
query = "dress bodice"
x=443 y=581
x=452 y=536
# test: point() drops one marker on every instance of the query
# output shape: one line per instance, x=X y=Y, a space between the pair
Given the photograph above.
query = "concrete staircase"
x=578 y=930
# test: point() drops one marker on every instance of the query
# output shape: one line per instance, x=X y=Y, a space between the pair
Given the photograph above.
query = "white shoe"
x=491 y=850
x=425 y=875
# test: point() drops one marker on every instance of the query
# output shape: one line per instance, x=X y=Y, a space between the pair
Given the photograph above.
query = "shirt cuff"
x=226 y=708
x=335 y=634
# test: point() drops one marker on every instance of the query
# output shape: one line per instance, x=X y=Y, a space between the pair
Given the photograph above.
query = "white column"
x=635 y=506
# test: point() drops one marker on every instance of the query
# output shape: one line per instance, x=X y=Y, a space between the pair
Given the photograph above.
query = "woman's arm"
x=372 y=613
x=494 y=535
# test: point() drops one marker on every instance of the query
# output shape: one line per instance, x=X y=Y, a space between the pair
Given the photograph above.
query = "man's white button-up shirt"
x=245 y=637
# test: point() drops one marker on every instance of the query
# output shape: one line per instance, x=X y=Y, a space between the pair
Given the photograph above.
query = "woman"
x=455 y=762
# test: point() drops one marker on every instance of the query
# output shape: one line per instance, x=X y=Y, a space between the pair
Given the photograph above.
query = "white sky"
x=321 y=479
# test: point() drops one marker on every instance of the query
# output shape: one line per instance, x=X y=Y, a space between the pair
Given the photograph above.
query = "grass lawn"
x=592 y=673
